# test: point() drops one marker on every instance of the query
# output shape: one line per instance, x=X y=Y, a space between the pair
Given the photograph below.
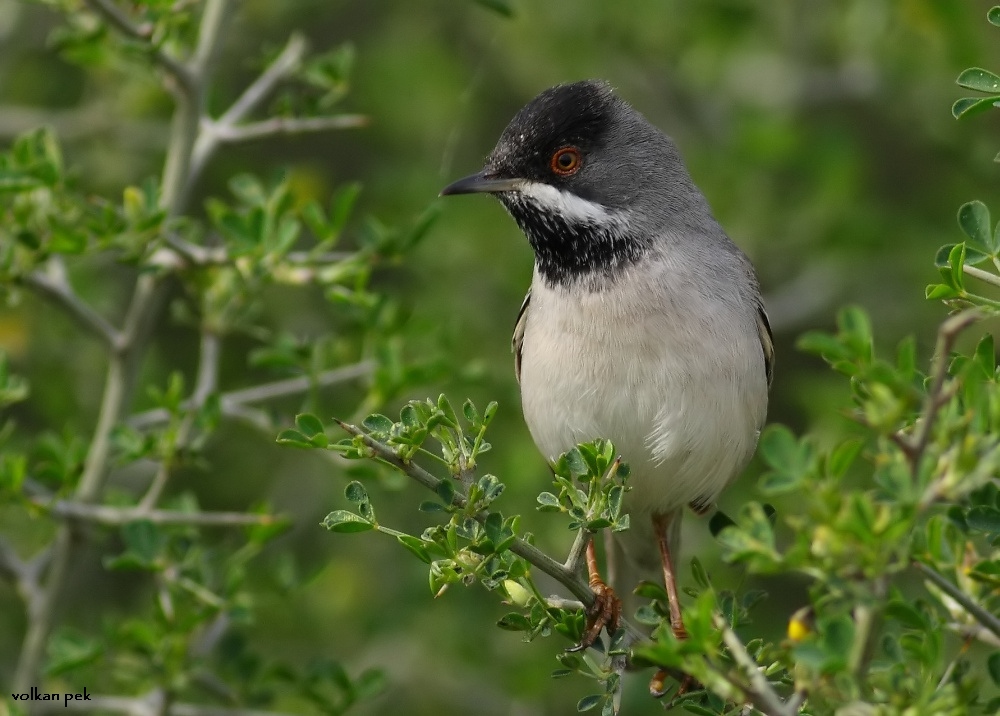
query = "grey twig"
x=107 y=515
x=114 y=16
x=578 y=587
x=205 y=384
x=575 y=556
x=981 y=615
x=760 y=691
x=937 y=396
x=232 y=402
x=54 y=285
x=284 y=125
x=207 y=140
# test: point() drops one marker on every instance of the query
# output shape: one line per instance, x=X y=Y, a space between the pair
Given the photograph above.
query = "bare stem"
x=207 y=140
x=984 y=276
x=54 y=285
x=760 y=691
x=981 y=615
x=937 y=397
x=107 y=515
x=114 y=16
x=232 y=402
x=205 y=383
x=284 y=125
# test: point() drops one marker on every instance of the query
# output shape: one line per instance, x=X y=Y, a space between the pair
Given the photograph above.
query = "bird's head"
x=587 y=178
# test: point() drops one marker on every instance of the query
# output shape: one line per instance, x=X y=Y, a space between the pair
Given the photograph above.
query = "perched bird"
x=644 y=322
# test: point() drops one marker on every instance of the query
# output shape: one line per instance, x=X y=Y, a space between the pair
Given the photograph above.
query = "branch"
x=947 y=335
x=113 y=516
x=205 y=384
x=571 y=580
x=121 y=22
x=283 y=125
x=53 y=284
x=984 y=276
x=985 y=618
x=282 y=66
x=232 y=402
x=760 y=693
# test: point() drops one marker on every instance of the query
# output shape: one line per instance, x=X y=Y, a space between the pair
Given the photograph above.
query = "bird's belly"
x=685 y=428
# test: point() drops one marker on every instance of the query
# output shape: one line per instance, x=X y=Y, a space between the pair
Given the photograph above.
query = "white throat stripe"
x=570 y=206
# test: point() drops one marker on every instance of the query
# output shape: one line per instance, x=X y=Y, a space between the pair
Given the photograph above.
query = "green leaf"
x=512 y=621
x=588 y=702
x=984 y=519
x=143 y=539
x=974 y=220
x=718 y=522
x=993 y=662
x=377 y=424
x=293 y=438
x=969 y=106
x=980 y=80
x=356 y=493
x=415 y=546
x=906 y=615
x=843 y=456
x=548 y=502
x=346 y=522
x=309 y=425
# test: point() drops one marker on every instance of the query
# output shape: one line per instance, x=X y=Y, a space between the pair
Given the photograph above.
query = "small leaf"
x=993 y=662
x=293 y=438
x=355 y=492
x=976 y=78
x=513 y=621
x=346 y=522
x=547 y=500
x=974 y=219
x=969 y=106
x=984 y=519
x=588 y=702
x=309 y=425
x=415 y=546
x=377 y=424
x=993 y=17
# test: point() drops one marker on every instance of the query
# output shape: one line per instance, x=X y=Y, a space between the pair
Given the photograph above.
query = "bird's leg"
x=661 y=525
x=606 y=611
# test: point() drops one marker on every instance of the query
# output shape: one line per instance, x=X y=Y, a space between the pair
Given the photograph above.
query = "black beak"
x=481 y=183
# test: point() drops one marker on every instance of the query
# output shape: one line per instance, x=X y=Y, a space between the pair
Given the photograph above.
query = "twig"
x=936 y=398
x=53 y=284
x=207 y=140
x=232 y=402
x=984 y=276
x=575 y=556
x=283 y=125
x=985 y=618
x=107 y=515
x=761 y=693
x=205 y=383
x=121 y=22
x=23 y=574
x=572 y=581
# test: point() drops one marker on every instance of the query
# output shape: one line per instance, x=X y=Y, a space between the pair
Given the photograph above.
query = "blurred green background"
x=819 y=131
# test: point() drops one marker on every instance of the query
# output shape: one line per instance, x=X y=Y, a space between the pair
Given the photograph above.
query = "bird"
x=643 y=324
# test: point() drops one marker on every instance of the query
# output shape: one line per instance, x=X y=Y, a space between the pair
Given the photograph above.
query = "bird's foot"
x=658 y=684
x=604 y=613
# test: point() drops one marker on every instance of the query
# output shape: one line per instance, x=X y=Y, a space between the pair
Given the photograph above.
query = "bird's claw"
x=604 y=613
x=658 y=686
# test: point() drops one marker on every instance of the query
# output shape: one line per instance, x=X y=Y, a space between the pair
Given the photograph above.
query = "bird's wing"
x=766 y=341
x=517 y=340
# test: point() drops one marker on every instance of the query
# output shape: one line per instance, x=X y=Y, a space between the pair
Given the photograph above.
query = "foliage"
x=184 y=638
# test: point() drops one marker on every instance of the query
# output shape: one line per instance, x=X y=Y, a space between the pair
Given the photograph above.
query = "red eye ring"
x=566 y=161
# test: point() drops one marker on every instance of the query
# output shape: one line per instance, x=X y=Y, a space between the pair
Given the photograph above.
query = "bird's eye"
x=566 y=161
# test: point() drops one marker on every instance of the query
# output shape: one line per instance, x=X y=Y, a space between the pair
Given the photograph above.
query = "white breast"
x=677 y=383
